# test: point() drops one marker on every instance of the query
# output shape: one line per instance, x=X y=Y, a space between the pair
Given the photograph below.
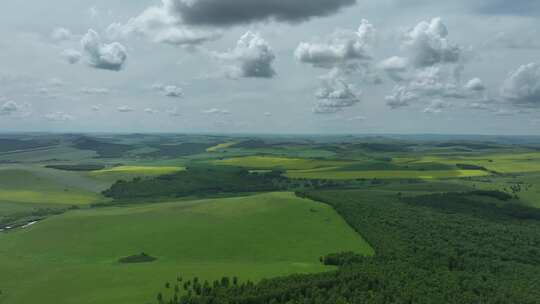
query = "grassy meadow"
x=253 y=237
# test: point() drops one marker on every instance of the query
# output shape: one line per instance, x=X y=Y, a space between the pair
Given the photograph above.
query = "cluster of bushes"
x=423 y=255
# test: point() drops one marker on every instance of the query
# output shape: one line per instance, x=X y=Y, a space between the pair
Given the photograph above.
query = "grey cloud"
x=436 y=107
x=517 y=39
x=233 y=12
x=216 y=111
x=103 y=56
x=428 y=44
x=522 y=87
x=395 y=67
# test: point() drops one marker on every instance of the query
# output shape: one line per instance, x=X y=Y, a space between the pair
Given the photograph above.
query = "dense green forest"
x=425 y=253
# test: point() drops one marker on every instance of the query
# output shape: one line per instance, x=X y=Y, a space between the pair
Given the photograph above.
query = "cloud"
x=124 y=109
x=96 y=108
x=253 y=57
x=59 y=117
x=172 y=91
x=426 y=84
x=395 y=67
x=436 y=107
x=150 y=111
x=504 y=7
x=234 y=12
x=216 y=111
x=103 y=56
x=157 y=24
x=61 y=34
x=335 y=95
x=9 y=108
x=356 y=118
x=522 y=87
x=428 y=44
x=267 y=114
x=340 y=48
x=71 y=56
x=475 y=84
x=95 y=91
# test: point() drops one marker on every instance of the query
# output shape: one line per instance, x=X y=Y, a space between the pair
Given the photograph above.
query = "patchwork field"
x=253 y=237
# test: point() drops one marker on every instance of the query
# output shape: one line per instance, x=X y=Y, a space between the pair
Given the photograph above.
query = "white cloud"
x=395 y=67
x=335 y=95
x=71 y=56
x=522 y=87
x=428 y=44
x=157 y=24
x=61 y=34
x=150 y=111
x=172 y=91
x=104 y=56
x=436 y=107
x=340 y=49
x=96 y=108
x=475 y=84
x=216 y=111
x=253 y=57
x=124 y=109
x=59 y=116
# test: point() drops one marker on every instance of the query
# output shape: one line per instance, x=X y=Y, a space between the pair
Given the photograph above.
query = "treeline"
x=77 y=167
x=423 y=255
x=197 y=181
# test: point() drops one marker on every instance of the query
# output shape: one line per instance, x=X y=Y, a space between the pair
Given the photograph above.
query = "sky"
x=271 y=66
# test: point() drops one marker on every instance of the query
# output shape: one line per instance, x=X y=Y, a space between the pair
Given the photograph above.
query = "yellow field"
x=271 y=162
x=220 y=146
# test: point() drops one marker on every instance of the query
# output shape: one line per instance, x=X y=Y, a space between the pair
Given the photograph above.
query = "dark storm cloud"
x=231 y=12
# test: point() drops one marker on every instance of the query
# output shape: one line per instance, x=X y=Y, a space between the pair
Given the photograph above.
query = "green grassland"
x=72 y=258
x=271 y=162
x=24 y=186
x=383 y=174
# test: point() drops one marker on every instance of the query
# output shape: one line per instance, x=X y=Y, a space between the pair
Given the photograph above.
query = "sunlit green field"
x=383 y=174
x=220 y=146
x=273 y=162
x=27 y=186
x=502 y=163
x=138 y=170
x=72 y=258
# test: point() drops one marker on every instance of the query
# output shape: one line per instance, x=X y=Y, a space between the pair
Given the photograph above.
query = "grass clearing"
x=76 y=254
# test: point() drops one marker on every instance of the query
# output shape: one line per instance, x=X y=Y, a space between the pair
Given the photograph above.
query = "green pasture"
x=336 y=174
x=72 y=258
x=274 y=162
